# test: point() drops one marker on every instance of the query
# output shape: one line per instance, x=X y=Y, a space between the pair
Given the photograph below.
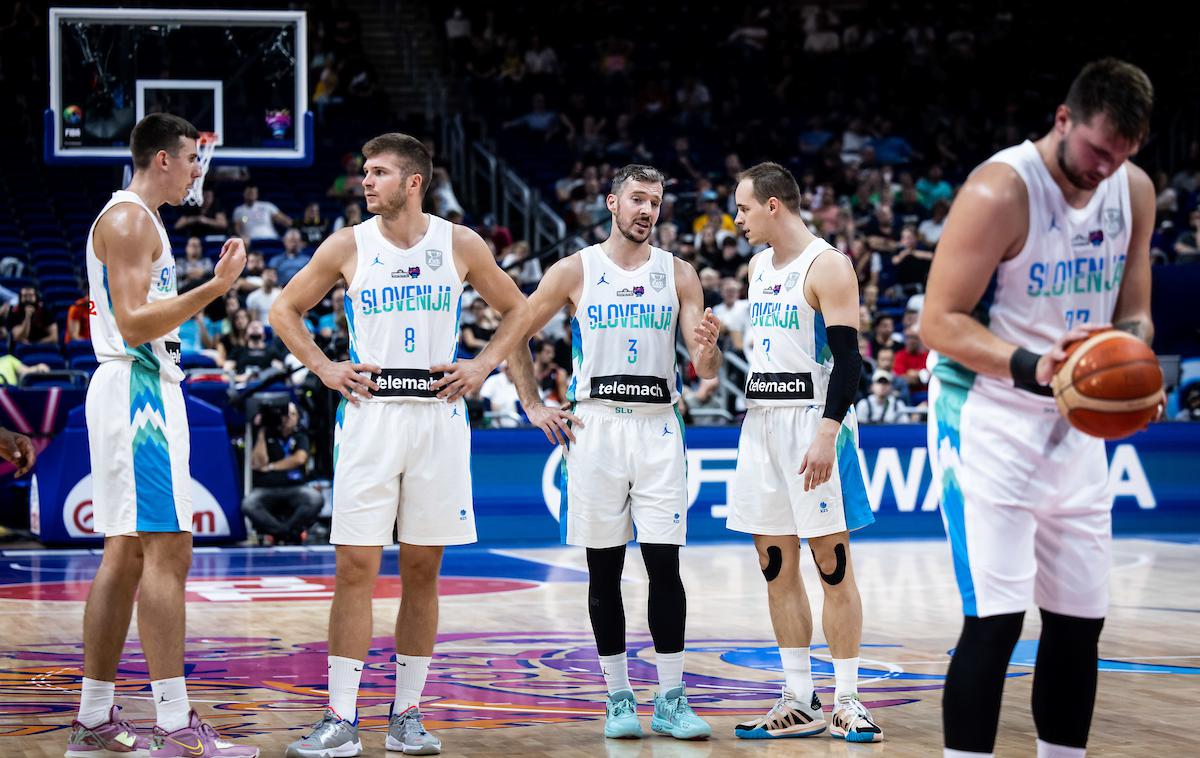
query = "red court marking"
x=241 y=589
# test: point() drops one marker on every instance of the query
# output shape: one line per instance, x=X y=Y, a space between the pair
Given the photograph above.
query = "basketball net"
x=205 y=146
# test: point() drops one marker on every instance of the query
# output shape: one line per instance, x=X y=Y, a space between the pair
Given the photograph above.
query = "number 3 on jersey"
x=410 y=340
x=632 y=357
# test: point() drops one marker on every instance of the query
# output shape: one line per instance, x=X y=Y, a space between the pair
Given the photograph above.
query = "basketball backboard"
x=241 y=74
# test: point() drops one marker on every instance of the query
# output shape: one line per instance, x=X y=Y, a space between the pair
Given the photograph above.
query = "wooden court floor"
x=515 y=671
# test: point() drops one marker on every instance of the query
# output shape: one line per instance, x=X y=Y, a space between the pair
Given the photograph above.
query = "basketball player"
x=1045 y=240
x=625 y=462
x=17 y=450
x=402 y=442
x=138 y=434
x=798 y=474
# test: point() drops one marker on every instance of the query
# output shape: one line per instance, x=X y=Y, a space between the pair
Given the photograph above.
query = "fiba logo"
x=208 y=519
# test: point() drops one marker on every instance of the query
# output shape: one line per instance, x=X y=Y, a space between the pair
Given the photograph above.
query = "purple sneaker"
x=196 y=740
x=114 y=737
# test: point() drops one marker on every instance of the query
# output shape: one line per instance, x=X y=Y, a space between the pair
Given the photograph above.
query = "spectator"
x=930 y=230
x=730 y=263
x=349 y=184
x=256 y=356
x=710 y=283
x=333 y=324
x=259 y=302
x=256 y=219
x=910 y=366
x=441 y=194
x=350 y=217
x=713 y=217
x=293 y=258
x=885 y=335
x=539 y=122
x=193 y=253
x=251 y=278
x=552 y=379
x=193 y=334
x=705 y=396
x=1187 y=244
x=1189 y=403
x=733 y=312
x=12 y=369
x=526 y=270
x=207 y=220
x=281 y=505
x=932 y=187
x=313 y=227
x=79 y=321
x=235 y=338
x=477 y=335
x=881 y=406
x=500 y=394
x=910 y=262
x=540 y=58
x=31 y=323
x=908 y=209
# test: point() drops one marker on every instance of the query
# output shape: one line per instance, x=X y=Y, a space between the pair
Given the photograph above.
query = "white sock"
x=616 y=672
x=171 y=703
x=411 y=671
x=1050 y=750
x=797 y=672
x=95 y=704
x=948 y=753
x=845 y=674
x=670 y=670
x=344 y=676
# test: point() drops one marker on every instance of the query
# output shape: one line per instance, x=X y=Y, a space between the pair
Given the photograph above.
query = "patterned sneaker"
x=673 y=716
x=331 y=737
x=196 y=740
x=852 y=722
x=789 y=717
x=114 y=737
x=620 y=717
x=406 y=734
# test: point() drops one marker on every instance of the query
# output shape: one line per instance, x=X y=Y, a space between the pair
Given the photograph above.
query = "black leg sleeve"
x=667 y=606
x=1064 y=681
x=975 y=681
x=605 y=608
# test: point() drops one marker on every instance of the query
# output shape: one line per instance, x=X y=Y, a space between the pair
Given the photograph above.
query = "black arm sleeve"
x=847 y=366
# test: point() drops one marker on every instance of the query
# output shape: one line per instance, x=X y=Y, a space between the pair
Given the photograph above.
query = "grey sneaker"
x=406 y=734
x=331 y=737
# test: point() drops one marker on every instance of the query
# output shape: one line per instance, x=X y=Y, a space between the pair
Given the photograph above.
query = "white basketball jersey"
x=1068 y=272
x=161 y=354
x=788 y=351
x=403 y=308
x=623 y=332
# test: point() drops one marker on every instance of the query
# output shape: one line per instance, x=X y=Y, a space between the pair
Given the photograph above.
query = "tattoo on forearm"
x=1137 y=328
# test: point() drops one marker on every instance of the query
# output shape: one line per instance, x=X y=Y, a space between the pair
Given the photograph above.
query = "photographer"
x=280 y=506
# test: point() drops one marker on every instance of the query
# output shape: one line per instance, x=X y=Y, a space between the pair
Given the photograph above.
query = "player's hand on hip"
x=231 y=263
x=347 y=379
x=1054 y=357
x=708 y=330
x=556 y=423
x=459 y=379
x=818 y=462
x=17 y=450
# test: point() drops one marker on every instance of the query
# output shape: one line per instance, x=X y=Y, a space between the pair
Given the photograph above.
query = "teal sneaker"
x=620 y=719
x=673 y=716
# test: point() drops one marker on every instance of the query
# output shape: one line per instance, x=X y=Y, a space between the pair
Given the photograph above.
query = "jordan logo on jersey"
x=631 y=389
x=780 y=386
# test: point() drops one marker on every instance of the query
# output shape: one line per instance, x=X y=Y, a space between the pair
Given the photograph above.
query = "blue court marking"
x=58 y=566
x=1025 y=654
x=1153 y=608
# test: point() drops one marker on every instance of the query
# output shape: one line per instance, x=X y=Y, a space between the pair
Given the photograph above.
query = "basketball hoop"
x=205 y=146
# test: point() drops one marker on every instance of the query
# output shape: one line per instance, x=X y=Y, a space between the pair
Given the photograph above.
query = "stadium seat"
x=54 y=361
x=190 y=360
x=86 y=363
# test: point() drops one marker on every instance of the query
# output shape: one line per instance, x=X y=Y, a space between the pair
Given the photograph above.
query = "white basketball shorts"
x=626 y=468
x=768 y=495
x=139 y=445
x=403 y=464
x=1025 y=499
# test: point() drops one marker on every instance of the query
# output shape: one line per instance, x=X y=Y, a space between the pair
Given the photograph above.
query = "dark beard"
x=628 y=233
x=1072 y=176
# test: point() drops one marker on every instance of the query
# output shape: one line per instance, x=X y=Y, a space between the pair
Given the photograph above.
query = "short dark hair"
x=770 y=180
x=158 y=131
x=413 y=156
x=1120 y=90
x=636 y=172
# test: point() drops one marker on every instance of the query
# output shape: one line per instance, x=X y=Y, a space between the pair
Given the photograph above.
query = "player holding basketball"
x=1062 y=226
x=402 y=446
x=138 y=435
x=798 y=474
x=625 y=462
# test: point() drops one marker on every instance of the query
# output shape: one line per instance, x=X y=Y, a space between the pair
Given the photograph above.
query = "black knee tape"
x=774 y=563
x=975 y=681
x=839 y=571
x=1064 y=678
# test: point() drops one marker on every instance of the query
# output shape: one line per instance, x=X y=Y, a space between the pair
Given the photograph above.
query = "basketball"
x=1109 y=385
